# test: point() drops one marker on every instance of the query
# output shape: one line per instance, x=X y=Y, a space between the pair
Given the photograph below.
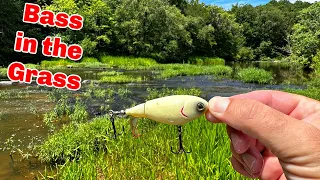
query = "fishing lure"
x=173 y=110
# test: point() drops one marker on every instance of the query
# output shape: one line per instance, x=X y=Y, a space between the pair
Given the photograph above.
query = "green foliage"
x=120 y=79
x=266 y=27
x=14 y=94
x=3 y=72
x=98 y=20
x=255 y=75
x=151 y=28
x=56 y=63
x=90 y=151
x=305 y=37
x=89 y=60
x=245 y=54
x=311 y=92
x=80 y=113
x=193 y=70
x=214 y=32
x=128 y=62
x=206 y=61
x=110 y=73
x=164 y=91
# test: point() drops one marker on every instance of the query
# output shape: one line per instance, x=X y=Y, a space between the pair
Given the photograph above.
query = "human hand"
x=274 y=135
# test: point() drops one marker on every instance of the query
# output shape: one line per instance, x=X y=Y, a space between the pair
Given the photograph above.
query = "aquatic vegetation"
x=255 y=75
x=129 y=62
x=79 y=114
x=193 y=70
x=207 y=61
x=109 y=73
x=13 y=93
x=90 y=149
x=120 y=79
x=164 y=91
x=56 y=63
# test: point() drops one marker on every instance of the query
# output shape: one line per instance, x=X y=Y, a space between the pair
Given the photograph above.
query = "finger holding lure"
x=173 y=110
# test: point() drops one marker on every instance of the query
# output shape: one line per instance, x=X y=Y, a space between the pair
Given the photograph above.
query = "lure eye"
x=200 y=107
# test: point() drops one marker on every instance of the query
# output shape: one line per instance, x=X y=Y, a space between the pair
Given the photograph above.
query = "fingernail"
x=219 y=104
x=250 y=161
x=235 y=139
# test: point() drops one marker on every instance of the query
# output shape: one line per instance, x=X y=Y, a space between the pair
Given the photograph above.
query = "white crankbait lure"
x=173 y=110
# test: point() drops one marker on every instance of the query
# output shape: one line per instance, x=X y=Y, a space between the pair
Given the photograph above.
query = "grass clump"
x=120 y=79
x=193 y=70
x=255 y=75
x=56 y=63
x=207 y=61
x=129 y=62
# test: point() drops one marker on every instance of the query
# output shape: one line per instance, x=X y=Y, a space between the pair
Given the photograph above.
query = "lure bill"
x=172 y=110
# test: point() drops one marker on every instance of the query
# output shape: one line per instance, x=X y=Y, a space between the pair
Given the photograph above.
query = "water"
x=21 y=118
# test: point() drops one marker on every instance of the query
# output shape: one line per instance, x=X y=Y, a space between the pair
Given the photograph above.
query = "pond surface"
x=21 y=117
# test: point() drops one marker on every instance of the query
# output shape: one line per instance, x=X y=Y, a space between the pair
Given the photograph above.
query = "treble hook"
x=181 y=148
x=112 y=114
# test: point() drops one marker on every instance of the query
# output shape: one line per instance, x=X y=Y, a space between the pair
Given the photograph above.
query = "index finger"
x=296 y=106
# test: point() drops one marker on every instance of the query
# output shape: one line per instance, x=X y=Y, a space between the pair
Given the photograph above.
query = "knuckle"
x=252 y=110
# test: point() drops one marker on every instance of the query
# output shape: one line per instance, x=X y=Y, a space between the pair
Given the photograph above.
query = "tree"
x=214 y=32
x=98 y=21
x=151 y=28
x=305 y=39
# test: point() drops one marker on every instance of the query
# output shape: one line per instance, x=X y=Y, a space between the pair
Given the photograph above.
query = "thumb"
x=277 y=131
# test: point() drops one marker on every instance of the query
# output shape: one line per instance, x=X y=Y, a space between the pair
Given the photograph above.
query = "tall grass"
x=255 y=75
x=129 y=62
x=90 y=151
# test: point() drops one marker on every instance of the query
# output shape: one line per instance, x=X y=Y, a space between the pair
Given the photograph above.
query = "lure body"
x=173 y=110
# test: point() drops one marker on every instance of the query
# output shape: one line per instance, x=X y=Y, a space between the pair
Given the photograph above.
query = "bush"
x=245 y=54
x=255 y=75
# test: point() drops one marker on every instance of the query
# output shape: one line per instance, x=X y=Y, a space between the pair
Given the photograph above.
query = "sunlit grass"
x=129 y=62
x=255 y=75
x=109 y=73
x=90 y=150
x=193 y=70
x=207 y=61
x=120 y=79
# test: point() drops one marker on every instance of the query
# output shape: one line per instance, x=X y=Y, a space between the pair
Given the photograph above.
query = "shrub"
x=245 y=54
